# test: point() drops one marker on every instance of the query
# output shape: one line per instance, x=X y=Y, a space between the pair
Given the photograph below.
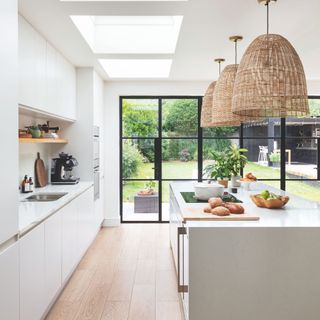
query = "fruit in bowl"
x=270 y=200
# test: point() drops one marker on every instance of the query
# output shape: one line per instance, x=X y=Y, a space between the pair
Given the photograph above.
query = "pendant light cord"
x=236 y=51
x=268 y=16
x=219 y=68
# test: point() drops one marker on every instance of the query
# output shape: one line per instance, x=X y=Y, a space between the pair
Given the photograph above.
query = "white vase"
x=235 y=182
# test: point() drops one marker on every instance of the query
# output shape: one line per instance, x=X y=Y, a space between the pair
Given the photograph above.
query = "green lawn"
x=187 y=170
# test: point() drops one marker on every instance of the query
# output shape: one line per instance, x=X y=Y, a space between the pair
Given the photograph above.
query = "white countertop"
x=32 y=213
x=297 y=213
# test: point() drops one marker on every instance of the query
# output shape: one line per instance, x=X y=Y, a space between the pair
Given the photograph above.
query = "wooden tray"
x=192 y=214
x=269 y=204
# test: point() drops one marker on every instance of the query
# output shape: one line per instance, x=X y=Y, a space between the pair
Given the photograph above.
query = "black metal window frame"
x=200 y=137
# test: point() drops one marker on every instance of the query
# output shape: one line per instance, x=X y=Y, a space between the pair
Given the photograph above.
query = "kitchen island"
x=247 y=270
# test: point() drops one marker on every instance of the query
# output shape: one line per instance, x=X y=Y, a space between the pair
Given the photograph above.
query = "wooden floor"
x=127 y=274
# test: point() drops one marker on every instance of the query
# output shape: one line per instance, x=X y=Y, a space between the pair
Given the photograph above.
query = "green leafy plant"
x=274 y=157
x=220 y=169
x=236 y=158
x=150 y=185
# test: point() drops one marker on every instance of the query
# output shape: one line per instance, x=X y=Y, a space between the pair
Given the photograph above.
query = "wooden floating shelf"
x=42 y=140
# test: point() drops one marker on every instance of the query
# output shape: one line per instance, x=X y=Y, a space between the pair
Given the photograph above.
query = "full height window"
x=161 y=141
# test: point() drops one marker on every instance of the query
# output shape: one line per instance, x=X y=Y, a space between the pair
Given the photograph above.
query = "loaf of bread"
x=215 y=202
x=234 y=208
x=220 y=211
x=207 y=209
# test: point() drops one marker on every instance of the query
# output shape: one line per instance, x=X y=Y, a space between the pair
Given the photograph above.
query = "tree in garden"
x=181 y=117
x=139 y=119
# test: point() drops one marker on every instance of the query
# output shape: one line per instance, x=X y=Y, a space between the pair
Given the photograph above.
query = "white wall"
x=313 y=87
x=113 y=90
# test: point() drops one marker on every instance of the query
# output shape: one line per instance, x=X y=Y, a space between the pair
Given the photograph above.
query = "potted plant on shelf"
x=274 y=158
x=237 y=161
x=220 y=169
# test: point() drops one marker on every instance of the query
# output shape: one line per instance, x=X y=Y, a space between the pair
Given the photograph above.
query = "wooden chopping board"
x=40 y=172
x=193 y=214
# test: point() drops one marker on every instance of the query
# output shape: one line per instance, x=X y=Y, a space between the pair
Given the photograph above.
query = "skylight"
x=137 y=68
x=130 y=34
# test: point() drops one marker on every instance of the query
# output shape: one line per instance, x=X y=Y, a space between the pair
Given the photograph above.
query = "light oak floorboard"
x=127 y=274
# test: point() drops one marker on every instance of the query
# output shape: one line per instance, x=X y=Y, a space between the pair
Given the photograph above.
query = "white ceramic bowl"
x=204 y=191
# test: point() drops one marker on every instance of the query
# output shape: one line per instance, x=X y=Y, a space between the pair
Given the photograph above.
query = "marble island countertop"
x=297 y=213
x=33 y=213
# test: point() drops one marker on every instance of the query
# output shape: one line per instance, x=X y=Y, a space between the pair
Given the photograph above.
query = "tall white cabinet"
x=47 y=80
x=9 y=119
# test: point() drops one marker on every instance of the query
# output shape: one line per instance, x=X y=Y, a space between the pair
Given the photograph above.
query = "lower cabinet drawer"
x=32 y=274
x=9 y=283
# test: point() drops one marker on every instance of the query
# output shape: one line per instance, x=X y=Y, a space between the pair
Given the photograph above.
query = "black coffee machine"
x=61 y=169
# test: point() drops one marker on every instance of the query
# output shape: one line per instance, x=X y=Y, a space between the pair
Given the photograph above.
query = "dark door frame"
x=158 y=150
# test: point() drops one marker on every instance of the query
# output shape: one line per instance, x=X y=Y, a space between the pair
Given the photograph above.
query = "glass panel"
x=314 y=105
x=301 y=158
x=179 y=159
x=275 y=184
x=138 y=159
x=140 y=201
x=306 y=127
x=140 y=117
x=305 y=189
x=221 y=132
x=179 y=117
x=264 y=158
x=265 y=128
x=165 y=200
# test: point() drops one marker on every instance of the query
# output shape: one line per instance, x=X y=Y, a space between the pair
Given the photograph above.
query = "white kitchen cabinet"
x=47 y=81
x=69 y=238
x=32 y=67
x=9 y=119
x=9 y=283
x=51 y=78
x=32 y=274
x=53 y=250
x=68 y=89
x=98 y=206
x=86 y=221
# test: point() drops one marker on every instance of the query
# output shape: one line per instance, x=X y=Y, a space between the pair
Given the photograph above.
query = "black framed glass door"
x=160 y=142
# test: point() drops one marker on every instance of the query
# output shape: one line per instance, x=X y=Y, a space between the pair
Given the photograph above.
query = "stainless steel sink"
x=45 y=197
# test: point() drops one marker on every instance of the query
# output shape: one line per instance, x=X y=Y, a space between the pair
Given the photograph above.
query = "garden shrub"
x=131 y=160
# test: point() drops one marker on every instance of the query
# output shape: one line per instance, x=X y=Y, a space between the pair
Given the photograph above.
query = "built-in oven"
x=96 y=162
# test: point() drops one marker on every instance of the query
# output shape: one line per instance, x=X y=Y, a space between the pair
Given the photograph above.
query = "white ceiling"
x=206 y=26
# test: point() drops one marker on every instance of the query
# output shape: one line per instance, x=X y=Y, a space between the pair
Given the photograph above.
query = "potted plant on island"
x=220 y=169
x=274 y=158
x=237 y=161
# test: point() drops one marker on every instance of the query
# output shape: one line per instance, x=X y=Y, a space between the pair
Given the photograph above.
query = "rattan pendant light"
x=270 y=81
x=206 y=108
x=222 y=114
